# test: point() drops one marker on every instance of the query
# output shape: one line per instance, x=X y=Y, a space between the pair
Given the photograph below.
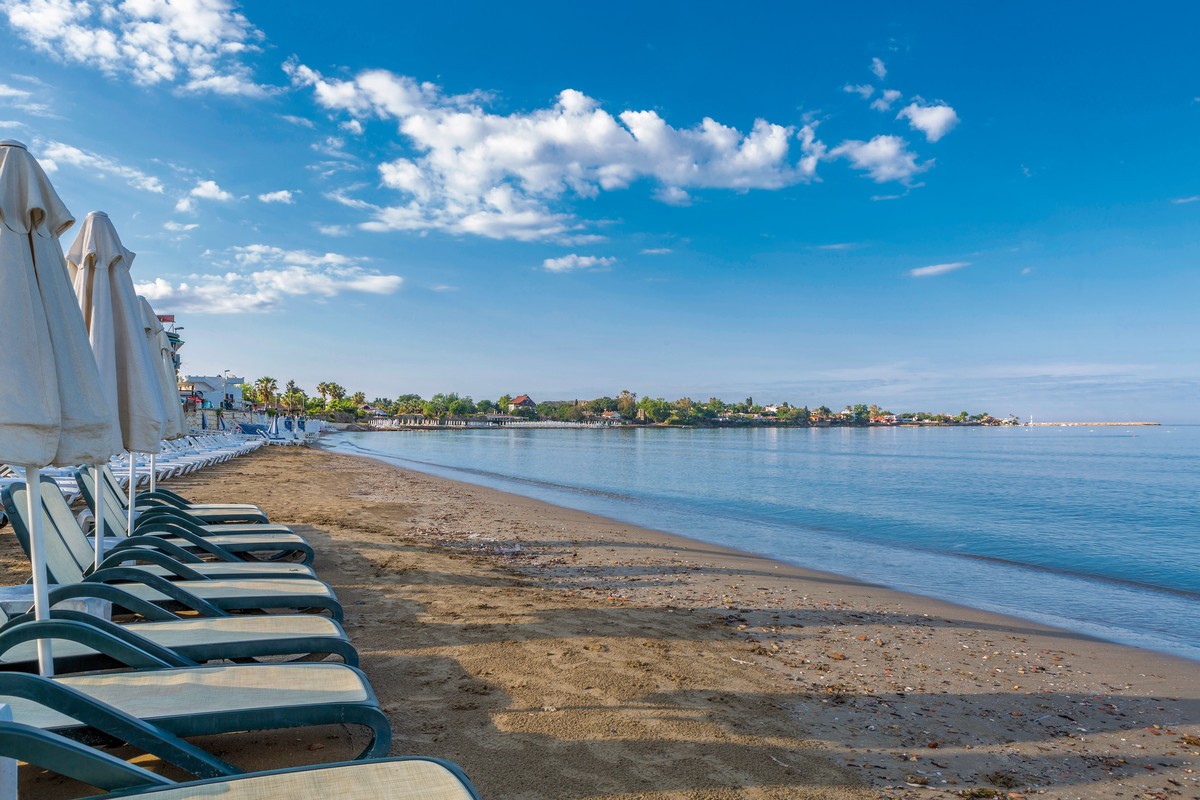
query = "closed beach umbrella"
x=174 y=425
x=129 y=376
x=52 y=409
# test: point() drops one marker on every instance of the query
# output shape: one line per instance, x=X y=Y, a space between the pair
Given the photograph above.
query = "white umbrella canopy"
x=175 y=424
x=52 y=410
x=129 y=372
x=99 y=266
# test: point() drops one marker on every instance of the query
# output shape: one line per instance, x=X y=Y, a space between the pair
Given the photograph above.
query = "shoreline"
x=785 y=570
x=555 y=653
x=1085 y=628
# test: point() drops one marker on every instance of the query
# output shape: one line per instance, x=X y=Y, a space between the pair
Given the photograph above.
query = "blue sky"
x=928 y=208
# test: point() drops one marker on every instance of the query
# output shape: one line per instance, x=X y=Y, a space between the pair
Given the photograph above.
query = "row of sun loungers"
x=192 y=588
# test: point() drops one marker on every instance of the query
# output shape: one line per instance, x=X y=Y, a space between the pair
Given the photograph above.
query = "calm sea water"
x=1095 y=530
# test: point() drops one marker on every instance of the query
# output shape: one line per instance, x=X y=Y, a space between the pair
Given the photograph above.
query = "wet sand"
x=557 y=654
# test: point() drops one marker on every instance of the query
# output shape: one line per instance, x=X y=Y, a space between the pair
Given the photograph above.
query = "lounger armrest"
x=115 y=595
x=139 y=733
x=145 y=515
x=158 y=530
x=158 y=543
x=164 y=495
x=144 y=503
x=173 y=498
x=121 y=646
x=135 y=554
x=171 y=590
x=71 y=759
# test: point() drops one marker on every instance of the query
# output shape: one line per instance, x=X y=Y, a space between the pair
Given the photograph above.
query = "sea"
x=1091 y=529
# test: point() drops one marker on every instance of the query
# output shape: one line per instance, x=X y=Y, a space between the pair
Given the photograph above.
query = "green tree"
x=627 y=403
x=323 y=390
x=504 y=402
x=358 y=399
x=293 y=399
x=655 y=409
x=460 y=406
x=265 y=388
x=337 y=392
x=409 y=404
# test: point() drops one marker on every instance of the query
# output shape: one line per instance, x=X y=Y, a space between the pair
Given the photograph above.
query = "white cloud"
x=209 y=190
x=261 y=277
x=180 y=227
x=1183 y=200
x=54 y=154
x=301 y=121
x=935 y=121
x=672 y=196
x=885 y=100
x=203 y=190
x=282 y=196
x=442 y=287
x=879 y=68
x=837 y=246
x=576 y=262
x=23 y=100
x=352 y=127
x=473 y=171
x=656 y=251
x=197 y=45
x=937 y=269
x=334 y=230
x=884 y=158
x=864 y=90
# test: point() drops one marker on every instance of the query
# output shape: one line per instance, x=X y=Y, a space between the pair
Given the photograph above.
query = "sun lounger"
x=154 y=710
x=68 y=561
x=271 y=542
x=412 y=778
x=159 y=556
x=209 y=513
x=88 y=642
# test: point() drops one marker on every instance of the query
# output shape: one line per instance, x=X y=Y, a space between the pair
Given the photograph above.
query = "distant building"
x=212 y=391
x=521 y=401
x=611 y=416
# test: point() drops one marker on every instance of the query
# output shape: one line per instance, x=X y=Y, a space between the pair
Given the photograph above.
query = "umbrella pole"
x=37 y=559
x=99 y=529
x=132 y=489
x=153 y=474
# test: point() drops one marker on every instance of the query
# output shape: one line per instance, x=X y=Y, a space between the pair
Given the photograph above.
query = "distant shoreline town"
x=334 y=403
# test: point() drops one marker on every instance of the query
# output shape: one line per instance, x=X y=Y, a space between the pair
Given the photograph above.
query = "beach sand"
x=557 y=654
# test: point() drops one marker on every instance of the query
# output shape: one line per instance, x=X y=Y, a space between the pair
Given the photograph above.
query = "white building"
x=210 y=391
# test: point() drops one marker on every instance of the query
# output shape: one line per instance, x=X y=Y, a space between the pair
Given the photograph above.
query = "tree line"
x=334 y=402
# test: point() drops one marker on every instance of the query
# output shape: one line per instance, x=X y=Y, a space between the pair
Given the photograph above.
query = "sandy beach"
x=557 y=654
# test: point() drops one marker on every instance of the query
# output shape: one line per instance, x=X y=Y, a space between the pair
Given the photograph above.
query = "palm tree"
x=336 y=391
x=358 y=398
x=265 y=387
x=294 y=400
x=323 y=390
